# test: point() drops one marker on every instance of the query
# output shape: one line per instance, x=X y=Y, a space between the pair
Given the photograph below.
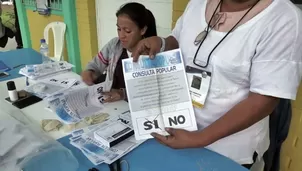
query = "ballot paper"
x=48 y=87
x=74 y=105
x=158 y=94
x=124 y=117
x=96 y=160
x=97 y=152
x=97 y=156
x=42 y=70
x=63 y=82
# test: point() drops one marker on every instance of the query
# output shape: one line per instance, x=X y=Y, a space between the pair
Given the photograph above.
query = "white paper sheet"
x=158 y=94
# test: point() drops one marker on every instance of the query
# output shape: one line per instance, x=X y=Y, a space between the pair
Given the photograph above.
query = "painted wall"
x=291 y=153
x=36 y=24
x=86 y=19
x=161 y=9
x=32 y=27
x=178 y=8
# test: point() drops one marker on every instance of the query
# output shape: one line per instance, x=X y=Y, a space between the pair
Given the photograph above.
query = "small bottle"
x=12 y=92
x=44 y=51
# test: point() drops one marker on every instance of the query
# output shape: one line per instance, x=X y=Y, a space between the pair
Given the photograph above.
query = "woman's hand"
x=114 y=95
x=179 y=139
x=152 y=45
x=149 y=46
x=87 y=77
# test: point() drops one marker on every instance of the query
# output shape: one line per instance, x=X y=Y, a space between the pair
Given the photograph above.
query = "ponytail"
x=151 y=24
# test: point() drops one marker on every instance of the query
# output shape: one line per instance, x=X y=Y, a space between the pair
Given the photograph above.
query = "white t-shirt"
x=263 y=56
x=129 y=54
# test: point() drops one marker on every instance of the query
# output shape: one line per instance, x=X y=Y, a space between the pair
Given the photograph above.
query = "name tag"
x=199 y=84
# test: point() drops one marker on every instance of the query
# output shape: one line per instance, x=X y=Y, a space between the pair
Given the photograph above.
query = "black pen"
x=126 y=112
x=17 y=66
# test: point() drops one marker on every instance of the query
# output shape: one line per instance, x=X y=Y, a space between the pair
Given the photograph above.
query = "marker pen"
x=12 y=92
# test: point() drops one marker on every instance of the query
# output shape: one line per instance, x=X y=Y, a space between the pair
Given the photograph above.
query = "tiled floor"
x=11 y=45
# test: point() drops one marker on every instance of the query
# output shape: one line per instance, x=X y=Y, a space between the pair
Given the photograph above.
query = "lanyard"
x=207 y=32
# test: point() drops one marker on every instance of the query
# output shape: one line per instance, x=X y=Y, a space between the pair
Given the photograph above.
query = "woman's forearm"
x=240 y=117
x=171 y=43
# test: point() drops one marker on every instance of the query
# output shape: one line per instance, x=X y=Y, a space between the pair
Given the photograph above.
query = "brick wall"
x=86 y=17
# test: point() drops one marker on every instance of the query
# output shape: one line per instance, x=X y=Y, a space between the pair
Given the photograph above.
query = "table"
x=37 y=112
x=17 y=57
x=150 y=156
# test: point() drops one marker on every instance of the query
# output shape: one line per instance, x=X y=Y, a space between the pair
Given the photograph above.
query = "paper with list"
x=74 y=105
x=158 y=94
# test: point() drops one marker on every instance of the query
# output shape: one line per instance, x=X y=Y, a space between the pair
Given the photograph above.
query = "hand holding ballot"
x=150 y=46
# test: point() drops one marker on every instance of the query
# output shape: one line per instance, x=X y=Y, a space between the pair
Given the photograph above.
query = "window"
x=53 y=4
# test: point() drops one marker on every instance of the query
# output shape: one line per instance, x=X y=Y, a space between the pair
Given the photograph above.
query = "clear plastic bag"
x=24 y=146
x=50 y=157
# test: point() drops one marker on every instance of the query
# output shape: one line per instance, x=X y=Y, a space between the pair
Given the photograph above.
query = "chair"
x=279 y=124
x=58 y=29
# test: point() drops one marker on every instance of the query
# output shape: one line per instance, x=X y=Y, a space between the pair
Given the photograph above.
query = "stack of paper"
x=74 y=105
x=97 y=152
x=42 y=70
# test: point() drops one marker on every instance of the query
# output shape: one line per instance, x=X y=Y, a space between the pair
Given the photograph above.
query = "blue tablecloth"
x=150 y=156
x=153 y=156
x=17 y=57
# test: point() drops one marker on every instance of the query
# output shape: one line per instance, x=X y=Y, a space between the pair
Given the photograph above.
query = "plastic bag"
x=24 y=146
x=43 y=90
x=50 y=157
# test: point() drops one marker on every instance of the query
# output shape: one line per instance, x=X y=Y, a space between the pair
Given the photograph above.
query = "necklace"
x=203 y=35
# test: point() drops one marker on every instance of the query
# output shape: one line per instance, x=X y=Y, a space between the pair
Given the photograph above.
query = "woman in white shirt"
x=253 y=49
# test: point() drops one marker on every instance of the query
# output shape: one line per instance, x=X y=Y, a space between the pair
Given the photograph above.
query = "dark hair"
x=139 y=15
